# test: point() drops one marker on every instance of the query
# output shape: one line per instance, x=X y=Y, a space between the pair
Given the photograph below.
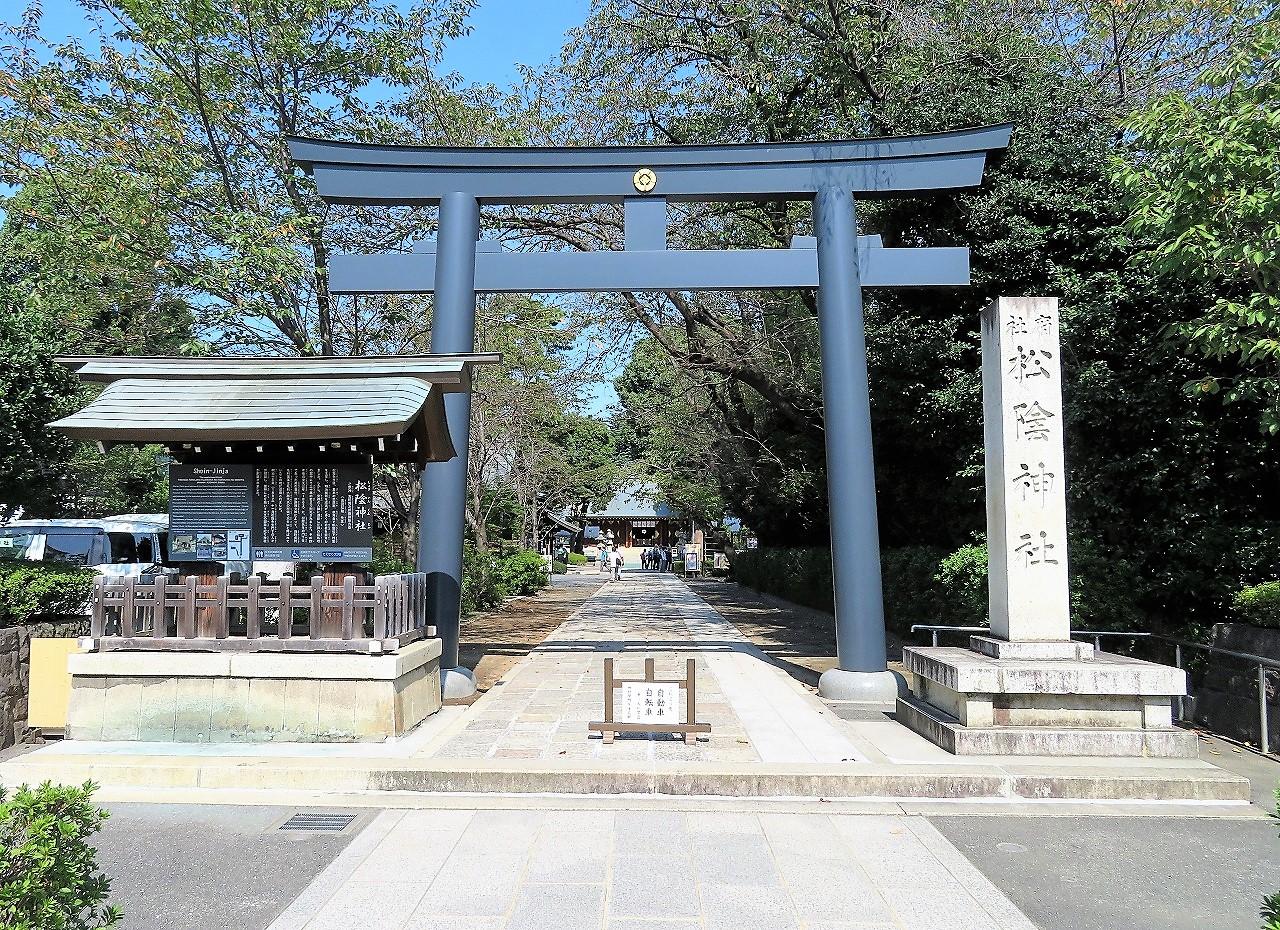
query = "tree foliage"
x=1206 y=191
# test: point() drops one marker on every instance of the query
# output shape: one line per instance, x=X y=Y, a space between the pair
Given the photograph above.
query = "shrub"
x=388 y=561
x=577 y=558
x=802 y=576
x=49 y=877
x=524 y=572
x=1270 y=911
x=911 y=595
x=560 y=568
x=479 y=580
x=962 y=583
x=1260 y=604
x=30 y=590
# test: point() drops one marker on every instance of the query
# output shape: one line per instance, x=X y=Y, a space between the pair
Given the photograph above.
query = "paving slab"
x=659 y=871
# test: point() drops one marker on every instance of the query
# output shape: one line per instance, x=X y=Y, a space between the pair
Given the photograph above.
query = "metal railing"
x=256 y=615
x=1262 y=662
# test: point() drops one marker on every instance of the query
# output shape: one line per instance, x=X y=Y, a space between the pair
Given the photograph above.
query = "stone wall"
x=1226 y=697
x=15 y=672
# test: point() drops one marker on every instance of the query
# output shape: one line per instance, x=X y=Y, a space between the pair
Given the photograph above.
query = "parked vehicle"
x=130 y=544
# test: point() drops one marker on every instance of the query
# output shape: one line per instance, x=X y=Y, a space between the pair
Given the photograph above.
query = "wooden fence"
x=258 y=615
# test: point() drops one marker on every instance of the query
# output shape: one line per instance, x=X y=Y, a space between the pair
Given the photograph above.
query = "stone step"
x=1109 y=780
x=947 y=732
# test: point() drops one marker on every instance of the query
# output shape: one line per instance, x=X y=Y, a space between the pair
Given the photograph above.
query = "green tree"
x=198 y=100
x=1205 y=185
x=65 y=287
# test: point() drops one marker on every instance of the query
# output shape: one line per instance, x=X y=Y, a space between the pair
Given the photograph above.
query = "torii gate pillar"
x=861 y=673
x=442 y=512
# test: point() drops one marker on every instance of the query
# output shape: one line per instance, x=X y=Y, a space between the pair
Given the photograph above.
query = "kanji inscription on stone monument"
x=1026 y=499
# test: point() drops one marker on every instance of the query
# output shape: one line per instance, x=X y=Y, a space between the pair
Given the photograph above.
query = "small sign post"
x=651 y=705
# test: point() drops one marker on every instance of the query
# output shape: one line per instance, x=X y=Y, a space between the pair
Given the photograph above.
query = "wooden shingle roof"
x=389 y=408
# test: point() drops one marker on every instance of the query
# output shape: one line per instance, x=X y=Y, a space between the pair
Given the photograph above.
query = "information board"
x=648 y=702
x=309 y=513
x=210 y=512
x=314 y=513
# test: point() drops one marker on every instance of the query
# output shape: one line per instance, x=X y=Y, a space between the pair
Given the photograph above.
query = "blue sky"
x=504 y=34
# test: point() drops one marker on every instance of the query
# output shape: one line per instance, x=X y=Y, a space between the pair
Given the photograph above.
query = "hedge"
x=31 y=590
x=923 y=584
x=525 y=572
x=1260 y=604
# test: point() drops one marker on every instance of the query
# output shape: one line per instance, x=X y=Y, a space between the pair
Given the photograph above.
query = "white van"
x=130 y=544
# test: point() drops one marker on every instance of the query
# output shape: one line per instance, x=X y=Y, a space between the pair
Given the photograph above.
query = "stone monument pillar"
x=1026 y=490
x=1028 y=688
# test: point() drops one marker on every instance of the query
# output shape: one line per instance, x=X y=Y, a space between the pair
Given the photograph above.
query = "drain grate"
x=318 y=822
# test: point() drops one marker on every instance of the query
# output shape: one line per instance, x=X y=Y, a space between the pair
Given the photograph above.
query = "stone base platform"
x=944 y=730
x=1043 y=700
x=252 y=697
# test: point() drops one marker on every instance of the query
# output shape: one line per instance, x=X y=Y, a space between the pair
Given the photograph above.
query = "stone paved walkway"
x=756 y=712
x=645 y=870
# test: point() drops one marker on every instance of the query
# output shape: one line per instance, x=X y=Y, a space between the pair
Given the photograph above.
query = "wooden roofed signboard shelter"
x=272 y=459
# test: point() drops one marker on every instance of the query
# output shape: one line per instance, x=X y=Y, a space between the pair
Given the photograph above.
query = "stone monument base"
x=1043 y=699
x=257 y=697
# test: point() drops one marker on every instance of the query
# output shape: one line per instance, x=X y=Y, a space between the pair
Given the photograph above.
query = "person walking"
x=618 y=561
x=602 y=558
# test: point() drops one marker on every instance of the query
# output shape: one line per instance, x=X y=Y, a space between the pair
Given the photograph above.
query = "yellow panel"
x=50 y=683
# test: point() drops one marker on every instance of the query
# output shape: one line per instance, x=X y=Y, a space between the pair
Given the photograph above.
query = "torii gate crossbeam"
x=644 y=179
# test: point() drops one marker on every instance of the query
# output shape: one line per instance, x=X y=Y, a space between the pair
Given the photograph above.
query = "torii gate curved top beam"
x=360 y=173
x=644 y=179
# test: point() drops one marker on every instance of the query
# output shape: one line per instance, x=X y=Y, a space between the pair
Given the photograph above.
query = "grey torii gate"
x=644 y=179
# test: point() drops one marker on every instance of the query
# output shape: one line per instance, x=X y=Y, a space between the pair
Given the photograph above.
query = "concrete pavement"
x=638 y=870
x=630 y=864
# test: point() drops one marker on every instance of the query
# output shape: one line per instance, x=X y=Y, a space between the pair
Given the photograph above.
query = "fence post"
x=317 y=596
x=253 y=613
x=187 y=611
x=127 y=607
x=284 y=625
x=98 y=625
x=348 y=607
x=380 y=583
x=1264 y=736
x=1177 y=661
x=222 y=617
x=159 y=608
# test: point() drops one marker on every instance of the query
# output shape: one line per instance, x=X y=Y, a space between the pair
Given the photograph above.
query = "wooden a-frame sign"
x=609 y=726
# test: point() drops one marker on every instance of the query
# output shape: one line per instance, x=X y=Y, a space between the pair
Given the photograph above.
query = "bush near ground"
x=560 y=568
x=1260 y=604
x=577 y=558
x=488 y=577
x=924 y=584
x=49 y=878
x=1270 y=911
x=523 y=572
x=31 y=590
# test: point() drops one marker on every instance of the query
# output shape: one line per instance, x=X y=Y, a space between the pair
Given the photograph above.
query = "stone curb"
x=1009 y=782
